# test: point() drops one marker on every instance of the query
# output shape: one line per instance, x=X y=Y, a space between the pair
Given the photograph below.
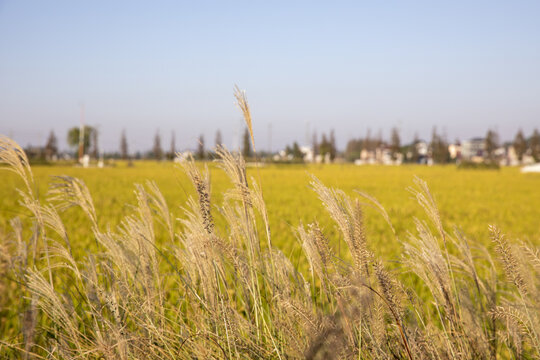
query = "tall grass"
x=157 y=287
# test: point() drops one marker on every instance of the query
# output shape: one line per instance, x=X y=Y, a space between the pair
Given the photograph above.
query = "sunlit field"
x=468 y=199
x=217 y=267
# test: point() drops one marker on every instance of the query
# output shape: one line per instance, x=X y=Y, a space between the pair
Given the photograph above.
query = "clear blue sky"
x=143 y=66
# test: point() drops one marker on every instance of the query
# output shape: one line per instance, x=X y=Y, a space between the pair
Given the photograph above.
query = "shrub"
x=485 y=165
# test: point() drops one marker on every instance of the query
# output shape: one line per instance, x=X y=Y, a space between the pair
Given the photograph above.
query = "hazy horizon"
x=306 y=66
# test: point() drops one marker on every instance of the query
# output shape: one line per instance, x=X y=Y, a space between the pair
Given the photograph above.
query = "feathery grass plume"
x=508 y=260
x=259 y=204
x=235 y=168
x=51 y=219
x=323 y=248
x=427 y=201
x=318 y=253
x=68 y=191
x=257 y=195
x=533 y=255
x=348 y=216
x=425 y=258
x=202 y=186
x=15 y=157
x=249 y=197
x=478 y=294
x=312 y=255
x=388 y=288
x=160 y=207
x=241 y=101
x=51 y=303
x=139 y=231
x=18 y=258
x=515 y=316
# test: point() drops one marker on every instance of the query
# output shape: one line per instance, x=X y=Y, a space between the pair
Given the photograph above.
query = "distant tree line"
x=438 y=146
x=324 y=146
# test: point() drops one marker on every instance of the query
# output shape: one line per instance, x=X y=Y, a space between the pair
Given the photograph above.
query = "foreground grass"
x=93 y=278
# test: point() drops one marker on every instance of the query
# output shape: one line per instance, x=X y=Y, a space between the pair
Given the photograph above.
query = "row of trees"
x=325 y=145
x=438 y=147
x=521 y=145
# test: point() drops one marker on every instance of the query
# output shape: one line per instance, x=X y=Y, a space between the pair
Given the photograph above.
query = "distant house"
x=422 y=148
x=307 y=152
x=418 y=152
x=474 y=149
x=511 y=158
x=455 y=151
x=380 y=155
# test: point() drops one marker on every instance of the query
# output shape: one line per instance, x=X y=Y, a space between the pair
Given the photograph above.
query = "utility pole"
x=269 y=138
x=307 y=139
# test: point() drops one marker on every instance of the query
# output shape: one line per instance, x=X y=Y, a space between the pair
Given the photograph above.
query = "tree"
x=94 y=143
x=124 y=153
x=51 y=147
x=333 y=148
x=378 y=140
x=74 y=134
x=353 y=149
x=157 y=150
x=439 y=148
x=315 y=144
x=415 y=154
x=172 y=151
x=246 y=148
x=491 y=144
x=219 y=139
x=520 y=145
x=395 y=143
x=295 y=151
x=200 y=148
x=368 y=143
x=535 y=145
x=324 y=146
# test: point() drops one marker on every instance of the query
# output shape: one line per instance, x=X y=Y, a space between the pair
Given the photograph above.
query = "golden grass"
x=155 y=287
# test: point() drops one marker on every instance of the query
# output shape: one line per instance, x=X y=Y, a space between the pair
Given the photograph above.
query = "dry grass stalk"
x=509 y=261
x=348 y=216
x=15 y=157
x=241 y=101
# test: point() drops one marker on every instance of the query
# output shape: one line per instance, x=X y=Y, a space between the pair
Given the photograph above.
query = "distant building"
x=380 y=155
x=307 y=152
x=455 y=151
x=418 y=152
x=474 y=149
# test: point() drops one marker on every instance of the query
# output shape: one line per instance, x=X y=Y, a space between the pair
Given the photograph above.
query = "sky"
x=358 y=66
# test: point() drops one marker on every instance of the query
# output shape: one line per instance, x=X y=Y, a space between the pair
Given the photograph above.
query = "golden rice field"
x=213 y=267
x=469 y=199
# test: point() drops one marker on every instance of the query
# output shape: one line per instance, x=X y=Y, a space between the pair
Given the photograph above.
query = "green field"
x=468 y=199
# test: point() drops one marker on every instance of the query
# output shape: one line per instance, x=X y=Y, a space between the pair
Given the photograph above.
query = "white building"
x=474 y=149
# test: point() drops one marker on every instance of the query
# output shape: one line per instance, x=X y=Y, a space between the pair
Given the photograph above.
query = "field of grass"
x=469 y=199
x=214 y=266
